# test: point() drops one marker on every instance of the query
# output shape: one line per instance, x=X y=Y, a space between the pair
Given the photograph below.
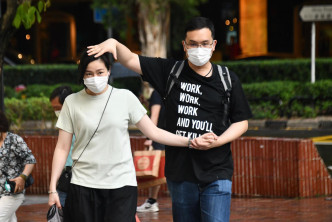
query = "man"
x=57 y=99
x=199 y=180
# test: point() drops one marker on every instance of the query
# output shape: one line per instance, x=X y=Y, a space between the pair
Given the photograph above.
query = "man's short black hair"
x=62 y=92
x=197 y=23
x=4 y=124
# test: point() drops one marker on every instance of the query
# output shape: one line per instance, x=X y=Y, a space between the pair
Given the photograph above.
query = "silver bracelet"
x=52 y=192
x=189 y=143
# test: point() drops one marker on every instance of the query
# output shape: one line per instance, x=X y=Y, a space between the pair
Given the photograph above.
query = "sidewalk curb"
x=310 y=123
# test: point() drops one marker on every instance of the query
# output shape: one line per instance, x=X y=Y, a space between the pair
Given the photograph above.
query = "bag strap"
x=177 y=68
x=226 y=80
x=172 y=78
x=94 y=131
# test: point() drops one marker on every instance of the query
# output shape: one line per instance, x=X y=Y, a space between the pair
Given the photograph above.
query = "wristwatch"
x=189 y=143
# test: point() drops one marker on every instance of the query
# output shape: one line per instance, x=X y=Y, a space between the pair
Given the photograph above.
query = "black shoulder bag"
x=65 y=177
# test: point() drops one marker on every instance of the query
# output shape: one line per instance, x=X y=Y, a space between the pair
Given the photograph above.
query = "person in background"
x=103 y=185
x=199 y=180
x=16 y=164
x=157 y=116
x=57 y=98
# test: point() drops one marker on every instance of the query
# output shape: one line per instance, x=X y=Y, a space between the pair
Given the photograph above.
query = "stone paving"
x=242 y=210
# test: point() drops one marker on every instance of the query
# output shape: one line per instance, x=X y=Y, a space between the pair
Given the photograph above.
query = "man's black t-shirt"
x=194 y=107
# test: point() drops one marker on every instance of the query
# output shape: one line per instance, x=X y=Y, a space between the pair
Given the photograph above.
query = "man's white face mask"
x=199 y=56
x=96 y=84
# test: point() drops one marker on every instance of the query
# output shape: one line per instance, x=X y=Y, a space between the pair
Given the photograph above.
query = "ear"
x=184 y=46
x=214 y=45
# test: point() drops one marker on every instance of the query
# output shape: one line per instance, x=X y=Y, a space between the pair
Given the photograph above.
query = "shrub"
x=19 y=110
x=280 y=70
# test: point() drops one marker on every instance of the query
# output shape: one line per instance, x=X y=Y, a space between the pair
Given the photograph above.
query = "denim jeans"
x=62 y=197
x=201 y=203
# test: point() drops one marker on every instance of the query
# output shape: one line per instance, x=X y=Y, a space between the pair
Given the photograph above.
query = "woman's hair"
x=4 y=124
x=85 y=60
x=197 y=23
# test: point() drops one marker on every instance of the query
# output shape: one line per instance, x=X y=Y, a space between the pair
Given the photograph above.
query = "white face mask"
x=57 y=113
x=96 y=84
x=199 y=56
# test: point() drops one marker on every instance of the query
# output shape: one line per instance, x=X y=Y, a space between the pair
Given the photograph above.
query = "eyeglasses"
x=195 y=45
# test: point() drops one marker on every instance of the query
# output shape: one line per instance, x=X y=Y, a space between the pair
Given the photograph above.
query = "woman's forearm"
x=59 y=157
x=156 y=134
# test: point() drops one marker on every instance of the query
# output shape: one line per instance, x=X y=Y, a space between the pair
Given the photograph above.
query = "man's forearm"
x=233 y=132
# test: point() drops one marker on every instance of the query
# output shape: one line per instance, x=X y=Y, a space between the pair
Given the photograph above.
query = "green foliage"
x=19 y=110
x=27 y=14
x=279 y=70
x=38 y=90
x=118 y=11
x=40 y=74
x=15 y=110
x=280 y=99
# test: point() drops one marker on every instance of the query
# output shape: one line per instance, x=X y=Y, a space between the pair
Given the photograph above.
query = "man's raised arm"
x=120 y=52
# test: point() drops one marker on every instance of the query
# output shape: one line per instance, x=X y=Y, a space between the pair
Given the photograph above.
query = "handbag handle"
x=94 y=131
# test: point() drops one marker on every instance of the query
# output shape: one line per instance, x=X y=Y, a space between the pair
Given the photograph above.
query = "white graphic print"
x=189 y=110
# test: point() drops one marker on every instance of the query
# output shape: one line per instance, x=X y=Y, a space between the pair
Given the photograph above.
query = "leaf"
x=38 y=17
x=17 y=21
x=41 y=6
x=47 y=4
x=31 y=12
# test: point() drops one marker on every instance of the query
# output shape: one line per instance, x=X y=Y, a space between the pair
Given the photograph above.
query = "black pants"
x=85 y=204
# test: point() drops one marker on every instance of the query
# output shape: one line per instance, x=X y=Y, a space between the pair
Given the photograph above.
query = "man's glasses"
x=196 y=45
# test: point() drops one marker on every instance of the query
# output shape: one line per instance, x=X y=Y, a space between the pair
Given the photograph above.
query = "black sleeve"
x=156 y=72
x=155 y=98
x=240 y=109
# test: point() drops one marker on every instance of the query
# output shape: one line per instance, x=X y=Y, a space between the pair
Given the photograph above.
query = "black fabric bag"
x=29 y=181
x=64 y=180
x=54 y=214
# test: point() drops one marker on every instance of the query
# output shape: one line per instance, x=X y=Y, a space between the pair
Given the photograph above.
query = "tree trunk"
x=153 y=26
x=6 y=31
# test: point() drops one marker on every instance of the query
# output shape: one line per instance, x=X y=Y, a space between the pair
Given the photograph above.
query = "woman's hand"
x=20 y=183
x=108 y=45
x=204 y=142
x=53 y=198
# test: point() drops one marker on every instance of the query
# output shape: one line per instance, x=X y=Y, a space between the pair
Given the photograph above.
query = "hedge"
x=280 y=70
x=268 y=100
x=248 y=71
x=285 y=99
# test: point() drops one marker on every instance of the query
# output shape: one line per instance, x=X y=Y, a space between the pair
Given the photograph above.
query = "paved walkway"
x=243 y=209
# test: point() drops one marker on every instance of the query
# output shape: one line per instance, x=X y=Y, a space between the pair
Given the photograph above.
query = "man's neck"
x=201 y=70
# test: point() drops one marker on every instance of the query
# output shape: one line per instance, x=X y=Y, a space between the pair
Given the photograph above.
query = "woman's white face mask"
x=97 y=83
x=199 y=56
x=57 y=113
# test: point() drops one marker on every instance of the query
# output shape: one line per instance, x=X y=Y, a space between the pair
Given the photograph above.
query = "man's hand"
x=108 y=45
x=148 y=143
x=204 y=142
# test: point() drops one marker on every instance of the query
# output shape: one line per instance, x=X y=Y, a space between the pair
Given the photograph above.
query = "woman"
x=103 y=185
x=16 y=164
